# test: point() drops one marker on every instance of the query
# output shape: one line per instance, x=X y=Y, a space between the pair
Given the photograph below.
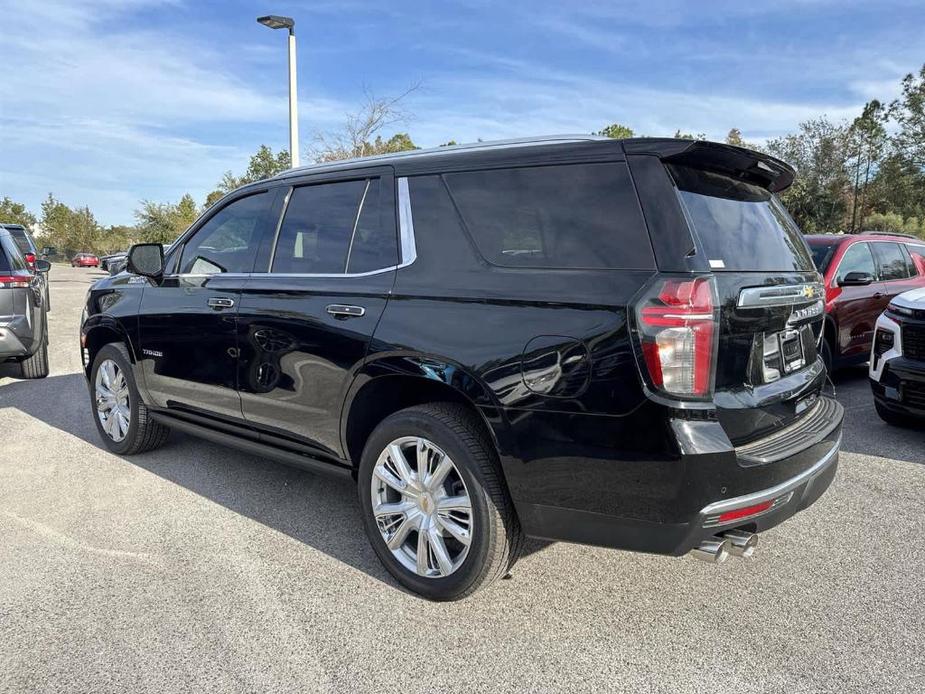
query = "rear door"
x=897 y=271
x=305 y=322
x=186 y=324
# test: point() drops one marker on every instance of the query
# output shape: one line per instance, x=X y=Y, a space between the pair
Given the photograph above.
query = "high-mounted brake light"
x=14 y=282
x=677 y=325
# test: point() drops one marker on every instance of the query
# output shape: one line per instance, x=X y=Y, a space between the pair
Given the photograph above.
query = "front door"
x=304 y=327
x=857 y=306
x=186 y=324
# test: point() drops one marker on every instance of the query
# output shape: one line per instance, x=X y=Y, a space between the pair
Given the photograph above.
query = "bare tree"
x=360 y=134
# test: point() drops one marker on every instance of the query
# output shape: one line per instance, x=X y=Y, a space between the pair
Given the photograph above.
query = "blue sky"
x=106 y=103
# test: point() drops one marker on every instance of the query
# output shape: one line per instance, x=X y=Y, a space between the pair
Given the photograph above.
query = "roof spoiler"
x=737 y=162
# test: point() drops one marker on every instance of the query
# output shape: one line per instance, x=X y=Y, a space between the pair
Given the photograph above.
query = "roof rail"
x=890 y=233
x=446 y=149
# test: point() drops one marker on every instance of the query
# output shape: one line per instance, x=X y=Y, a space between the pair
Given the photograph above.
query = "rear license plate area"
x=791 y=350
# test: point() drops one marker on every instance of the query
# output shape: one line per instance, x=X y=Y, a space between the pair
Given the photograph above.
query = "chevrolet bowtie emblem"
x=809 y=291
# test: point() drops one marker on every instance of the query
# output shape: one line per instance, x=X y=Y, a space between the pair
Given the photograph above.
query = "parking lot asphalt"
x=198 y=568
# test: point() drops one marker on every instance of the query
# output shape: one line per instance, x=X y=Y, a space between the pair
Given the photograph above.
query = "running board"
x=257 y=448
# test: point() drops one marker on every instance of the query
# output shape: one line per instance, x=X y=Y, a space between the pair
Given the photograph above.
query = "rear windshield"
x=10 y=257
x=822 y=254
x=740 y=226
x=22 y=241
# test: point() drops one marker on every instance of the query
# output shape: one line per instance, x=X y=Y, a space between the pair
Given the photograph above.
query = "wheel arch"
x=391 y=384
x=99 y=333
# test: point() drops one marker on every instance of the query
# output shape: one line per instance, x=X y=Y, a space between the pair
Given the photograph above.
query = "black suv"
x=23 y=319
x=598 y=341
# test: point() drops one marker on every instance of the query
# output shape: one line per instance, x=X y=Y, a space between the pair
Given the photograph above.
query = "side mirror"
x=856 y=279
x=146 y=259
x=42 y=265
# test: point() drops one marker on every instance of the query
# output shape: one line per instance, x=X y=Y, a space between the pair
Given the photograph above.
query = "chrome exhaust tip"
x=714 y=550
x=741 y=543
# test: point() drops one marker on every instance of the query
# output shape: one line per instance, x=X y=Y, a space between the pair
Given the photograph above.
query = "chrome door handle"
x=219 y=302
x=345 y=311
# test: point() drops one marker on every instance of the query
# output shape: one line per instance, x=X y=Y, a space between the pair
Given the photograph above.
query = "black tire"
x=36 y=366
x=895 y=419
x=497 y=538
x=144 y=433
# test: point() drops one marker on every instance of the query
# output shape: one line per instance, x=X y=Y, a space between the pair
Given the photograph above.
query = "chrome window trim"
x=356 y=222
x=409 y=250
x=834 y=284
x=279 y=226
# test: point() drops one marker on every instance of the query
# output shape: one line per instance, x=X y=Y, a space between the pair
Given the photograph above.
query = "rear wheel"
x=36 y=366
x=122 y=419
x=434 y=504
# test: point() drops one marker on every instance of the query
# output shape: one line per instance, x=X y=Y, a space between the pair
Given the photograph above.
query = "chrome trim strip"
x=279 y=226
x=406 y=237
x=786 y=295
x=405 y=224
x=356 y=223
x=719 y=507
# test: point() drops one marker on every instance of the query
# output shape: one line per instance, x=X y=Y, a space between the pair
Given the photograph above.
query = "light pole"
x=276 y=22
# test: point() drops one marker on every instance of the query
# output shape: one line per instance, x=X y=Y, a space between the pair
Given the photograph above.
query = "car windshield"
x=740 y=226
x=822 y=254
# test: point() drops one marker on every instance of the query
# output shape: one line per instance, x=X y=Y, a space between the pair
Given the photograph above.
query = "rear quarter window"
x=740 y=226
x=566 y=216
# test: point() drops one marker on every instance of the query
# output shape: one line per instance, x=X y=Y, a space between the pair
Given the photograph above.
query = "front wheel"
x=434 y=503
x=122 y=419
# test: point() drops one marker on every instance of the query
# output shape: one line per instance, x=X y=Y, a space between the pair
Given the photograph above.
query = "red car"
x=862 y=273
x=85 y=260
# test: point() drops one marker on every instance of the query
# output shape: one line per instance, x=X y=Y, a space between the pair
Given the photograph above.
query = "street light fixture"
x=276 y=22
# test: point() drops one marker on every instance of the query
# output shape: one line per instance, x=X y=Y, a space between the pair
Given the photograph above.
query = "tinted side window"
x=856 y=259
x=569 y=216
x=374 y=245
x=891 y=260
x=917 y=252
x=229 y=240
x=316 y=231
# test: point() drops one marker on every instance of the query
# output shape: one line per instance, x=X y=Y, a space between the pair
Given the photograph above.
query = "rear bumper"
x=16 y=337
x=791 y=484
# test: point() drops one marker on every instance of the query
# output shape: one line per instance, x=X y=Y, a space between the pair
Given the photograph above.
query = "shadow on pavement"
x=320 y=511
x=864 y=431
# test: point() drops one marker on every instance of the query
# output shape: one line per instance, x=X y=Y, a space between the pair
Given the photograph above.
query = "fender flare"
x=435 y=369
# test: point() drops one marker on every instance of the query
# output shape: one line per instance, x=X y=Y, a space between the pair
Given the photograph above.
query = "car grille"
x=913 y=341
x=914 y=393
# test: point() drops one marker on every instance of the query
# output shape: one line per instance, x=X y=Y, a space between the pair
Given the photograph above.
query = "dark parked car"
x=897 y=360
x=598 y=341
x=111 y=262
x=29 y=251
x=862 y=273
x=23 y=320
x=85 y=260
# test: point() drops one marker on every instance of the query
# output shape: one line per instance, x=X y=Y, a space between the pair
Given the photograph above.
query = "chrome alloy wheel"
x=112 y=400
x=422 y=507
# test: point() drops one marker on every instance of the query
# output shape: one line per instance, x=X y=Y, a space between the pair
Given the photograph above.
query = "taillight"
x=30 y=261
x=677 y=326
x=14 y=281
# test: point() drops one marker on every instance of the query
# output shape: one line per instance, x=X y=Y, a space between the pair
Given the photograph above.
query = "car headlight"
x=900 y=310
